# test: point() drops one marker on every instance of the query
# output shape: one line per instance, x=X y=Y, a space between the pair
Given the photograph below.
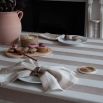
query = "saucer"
x=87 y=70
x=81 y=40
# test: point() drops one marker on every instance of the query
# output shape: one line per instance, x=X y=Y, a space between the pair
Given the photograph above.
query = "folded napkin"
x=51 y=77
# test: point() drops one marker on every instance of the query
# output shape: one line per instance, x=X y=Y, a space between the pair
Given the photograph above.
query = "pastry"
x=72 y=37
x=75 y=37
x=32 y=50
x=68 y=37
x=28 y=40
x=33 y=46
x=11 y=50
x=14 y=52
x=42 y=48
x=25 y=49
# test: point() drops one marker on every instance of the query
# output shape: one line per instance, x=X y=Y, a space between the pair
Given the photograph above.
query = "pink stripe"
x=87 y=89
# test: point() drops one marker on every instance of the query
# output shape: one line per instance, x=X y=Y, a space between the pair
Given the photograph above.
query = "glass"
x=96 y=28
x=27 y=44
x=35 y=58
x=34 y=42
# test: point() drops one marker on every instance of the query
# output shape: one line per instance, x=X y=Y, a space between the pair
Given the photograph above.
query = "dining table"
x=88 y=89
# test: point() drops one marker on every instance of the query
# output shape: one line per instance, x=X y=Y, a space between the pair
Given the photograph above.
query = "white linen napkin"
x=49 y=82
x=53 y=78
x=57 y=78
x=15 y=71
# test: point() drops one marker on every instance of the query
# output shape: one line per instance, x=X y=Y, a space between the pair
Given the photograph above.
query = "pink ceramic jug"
x=10 y=26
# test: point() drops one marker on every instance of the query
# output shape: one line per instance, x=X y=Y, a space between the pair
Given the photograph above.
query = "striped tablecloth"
x=89 y=89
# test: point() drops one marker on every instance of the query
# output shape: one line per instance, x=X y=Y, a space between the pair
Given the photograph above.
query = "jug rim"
x=9 y=12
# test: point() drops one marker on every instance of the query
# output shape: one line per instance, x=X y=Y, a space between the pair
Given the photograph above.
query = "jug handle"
x=20 y=14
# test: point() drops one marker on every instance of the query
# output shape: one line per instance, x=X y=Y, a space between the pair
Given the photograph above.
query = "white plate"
x=30 y=79
x=71 y=42
x=34 y=79
x=49 y=36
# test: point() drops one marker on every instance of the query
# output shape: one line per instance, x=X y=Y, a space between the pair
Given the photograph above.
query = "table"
x=89 y=89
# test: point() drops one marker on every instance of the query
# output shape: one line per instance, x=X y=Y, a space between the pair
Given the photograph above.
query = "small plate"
x=49 y=36
x=30 y=79
x=86 y=70
x=72 y=42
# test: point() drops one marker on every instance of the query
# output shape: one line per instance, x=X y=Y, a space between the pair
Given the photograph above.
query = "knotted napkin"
x=51 y=77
